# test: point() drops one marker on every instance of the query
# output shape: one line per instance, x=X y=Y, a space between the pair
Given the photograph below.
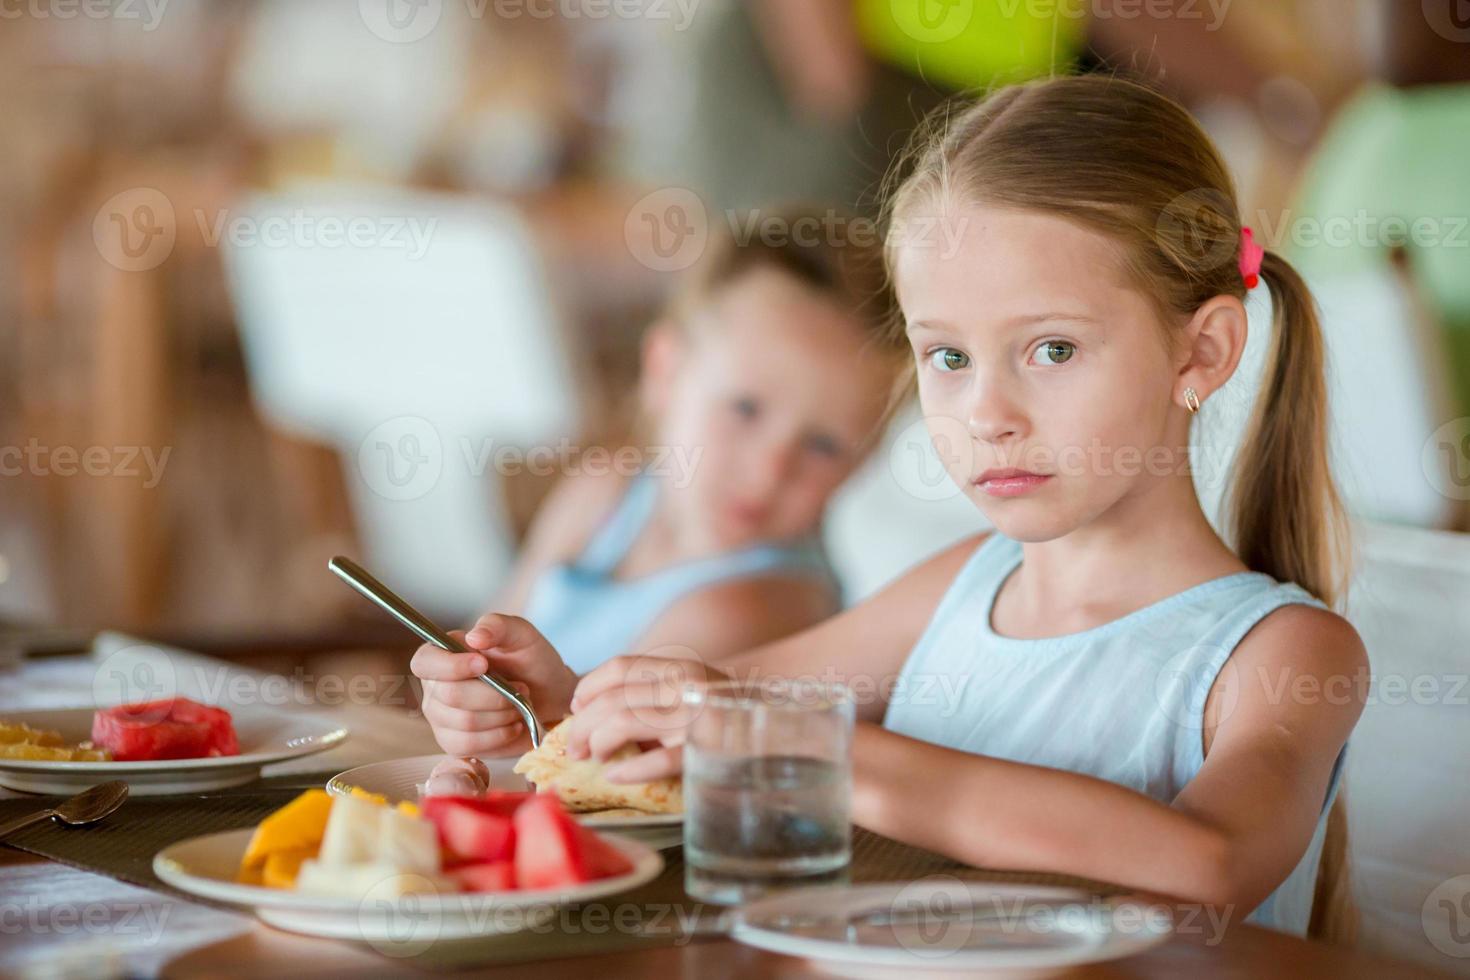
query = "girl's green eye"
x=1055 y=352
x=949 y=359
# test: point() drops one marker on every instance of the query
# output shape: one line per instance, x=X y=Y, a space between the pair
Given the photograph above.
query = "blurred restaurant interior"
x=264 y=264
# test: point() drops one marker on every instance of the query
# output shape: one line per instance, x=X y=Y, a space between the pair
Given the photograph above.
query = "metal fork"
x=422 y=626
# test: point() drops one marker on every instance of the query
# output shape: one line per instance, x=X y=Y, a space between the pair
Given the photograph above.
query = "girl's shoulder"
x=574 y=510
x=735 y=616
x=1301 y=671
x=1301 y=639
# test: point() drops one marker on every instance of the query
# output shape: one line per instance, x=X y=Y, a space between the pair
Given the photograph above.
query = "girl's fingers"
x=471 y=695
x=441 y=715
x=430 y=663
x=592 y=716
x=507 y=634
x=672 y=673
x=604 y=678
x=607 y=725
x=499 y=741
x=654 y=764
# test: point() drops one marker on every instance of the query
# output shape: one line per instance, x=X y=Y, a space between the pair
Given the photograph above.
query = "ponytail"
x=1289 y=522
x=1285 y=514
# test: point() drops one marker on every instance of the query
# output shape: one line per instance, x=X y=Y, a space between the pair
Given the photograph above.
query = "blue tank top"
x=591 y=617
x=1123 y=701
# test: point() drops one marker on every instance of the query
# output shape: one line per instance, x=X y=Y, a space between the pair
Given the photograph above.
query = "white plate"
x=1002 y=936
x=206 y=866
x=401 y=780
x=266 y=736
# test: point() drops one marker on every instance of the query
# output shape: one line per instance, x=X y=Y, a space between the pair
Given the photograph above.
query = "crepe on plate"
x=581 y=785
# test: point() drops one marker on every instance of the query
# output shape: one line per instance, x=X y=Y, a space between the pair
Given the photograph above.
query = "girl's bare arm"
x=864 y=647
x=1229 y=838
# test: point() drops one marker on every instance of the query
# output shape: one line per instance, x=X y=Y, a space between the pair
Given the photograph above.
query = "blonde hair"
x=1124 y=161
x=841 y=266
x=844 y=267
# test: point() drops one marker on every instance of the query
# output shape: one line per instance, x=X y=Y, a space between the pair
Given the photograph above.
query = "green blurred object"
x=1390 y=172
x=973 y=44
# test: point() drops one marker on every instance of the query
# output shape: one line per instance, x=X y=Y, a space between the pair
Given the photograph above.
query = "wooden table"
x=51 y=911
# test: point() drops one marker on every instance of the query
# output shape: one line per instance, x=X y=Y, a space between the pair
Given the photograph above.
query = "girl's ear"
x=664 y=349
x=1216 y=337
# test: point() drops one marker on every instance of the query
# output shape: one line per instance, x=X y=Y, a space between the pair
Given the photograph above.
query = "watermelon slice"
x=601 y=859
x=222 y=738
x=175 y=728
x=554 y=851
x=489 y=876
x=503 y=802
x=499 y=802
x=469 y=832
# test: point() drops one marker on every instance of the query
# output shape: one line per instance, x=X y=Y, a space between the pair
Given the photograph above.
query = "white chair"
x=1407 y=791
x=420 y=352
x=1386 y=394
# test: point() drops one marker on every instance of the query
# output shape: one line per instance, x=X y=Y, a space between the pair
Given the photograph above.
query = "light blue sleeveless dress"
x=591 y=617
x=1123 y=701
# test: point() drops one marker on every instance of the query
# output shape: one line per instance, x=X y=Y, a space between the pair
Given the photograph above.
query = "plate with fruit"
x=352 y=867
x=174 y=745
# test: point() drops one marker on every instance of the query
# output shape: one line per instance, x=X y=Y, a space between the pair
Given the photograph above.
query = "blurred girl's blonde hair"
x=1122 y=160
x=830 y=252
x=841 y=262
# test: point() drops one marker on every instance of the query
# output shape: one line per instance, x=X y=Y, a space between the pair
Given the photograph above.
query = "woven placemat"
x=657 y=914
x=122 y=846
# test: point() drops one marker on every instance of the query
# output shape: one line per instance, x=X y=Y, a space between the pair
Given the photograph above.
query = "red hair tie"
x=1251 y=255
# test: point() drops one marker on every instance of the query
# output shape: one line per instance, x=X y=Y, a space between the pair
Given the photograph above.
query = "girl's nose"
x=994 y=417
x=770 y=467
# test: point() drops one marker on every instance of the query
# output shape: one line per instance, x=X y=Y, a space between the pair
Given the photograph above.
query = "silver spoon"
x=86 y=807
x=422 y=626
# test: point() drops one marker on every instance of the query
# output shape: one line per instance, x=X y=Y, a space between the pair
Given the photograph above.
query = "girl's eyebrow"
x=1029 y=318
x=1021 y=320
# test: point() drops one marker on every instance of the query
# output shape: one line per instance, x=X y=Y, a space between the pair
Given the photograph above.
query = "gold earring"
x=1191 y=401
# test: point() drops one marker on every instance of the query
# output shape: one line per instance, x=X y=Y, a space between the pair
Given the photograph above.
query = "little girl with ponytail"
x=1127 y=695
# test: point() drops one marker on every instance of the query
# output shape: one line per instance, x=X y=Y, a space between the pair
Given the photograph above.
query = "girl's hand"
x=637 y=700
x=467 y=715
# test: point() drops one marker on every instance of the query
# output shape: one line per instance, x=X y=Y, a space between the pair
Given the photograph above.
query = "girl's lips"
x=1011 y=486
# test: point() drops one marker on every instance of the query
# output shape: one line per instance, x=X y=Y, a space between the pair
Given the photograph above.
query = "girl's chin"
x=728 y=534
x=1026 y=522
x=731 y=533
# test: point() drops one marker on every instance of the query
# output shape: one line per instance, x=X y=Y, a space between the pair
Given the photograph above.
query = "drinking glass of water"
x=767 y=787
